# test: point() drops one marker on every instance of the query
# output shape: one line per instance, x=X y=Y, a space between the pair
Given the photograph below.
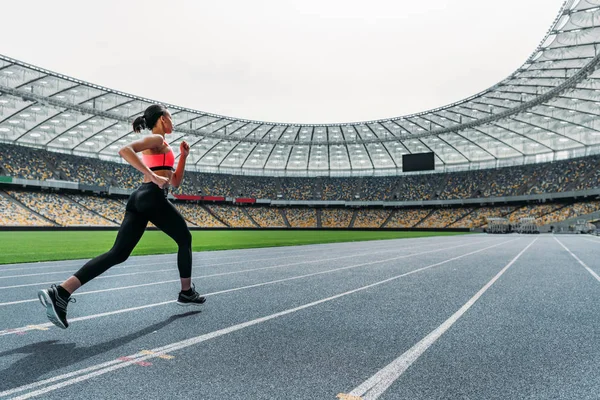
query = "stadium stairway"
x=78 y=204
x=424 y=218
x=354 y=215
x=208 y=210
x=460 y=218
x=384 y=225
x=572 y=221
x=319 y=225
x=284 y=216
x=530 y=182
x=439 y=189
x=582 y=178
x=318 y=193
x=250 y=217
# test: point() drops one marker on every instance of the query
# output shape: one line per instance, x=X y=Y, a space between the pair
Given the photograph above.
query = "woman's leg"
x=56 y=298
x=130 y=233
x=166 y=218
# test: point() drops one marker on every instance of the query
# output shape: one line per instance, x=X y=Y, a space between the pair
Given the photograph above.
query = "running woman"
x=147 y=203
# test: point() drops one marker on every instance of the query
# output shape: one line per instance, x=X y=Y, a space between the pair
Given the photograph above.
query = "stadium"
x=416 y=279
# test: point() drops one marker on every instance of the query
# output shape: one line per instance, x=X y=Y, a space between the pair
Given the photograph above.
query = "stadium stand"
x=298 y=188
x=366 y=218
x=418 y=187
x=198 y=215
x=406 y=218
x=569 y=211
x=26 y=163
x=301 y=217
x=532 y=211
x=555 y=177
x=125 y=176
x=86 y=210
x=267 y=217
x=111 y=209
x=340 y=189
x=336 y=217
x=13 y=214
x=233 y=216
x=80 y=169
x=478 y=218
x=443 y=217
x=257 y=187
x=59 y=209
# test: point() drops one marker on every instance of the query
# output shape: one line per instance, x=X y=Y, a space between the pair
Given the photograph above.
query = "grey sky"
x=306 y=61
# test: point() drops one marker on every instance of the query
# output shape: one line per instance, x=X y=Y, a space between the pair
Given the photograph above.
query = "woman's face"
x=167 y=123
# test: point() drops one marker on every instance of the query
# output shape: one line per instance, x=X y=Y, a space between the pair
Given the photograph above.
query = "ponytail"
x=148 y=120
x=139 y=123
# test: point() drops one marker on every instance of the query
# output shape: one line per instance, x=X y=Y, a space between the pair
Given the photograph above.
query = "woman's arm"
x=129 y=154
x=177 y=177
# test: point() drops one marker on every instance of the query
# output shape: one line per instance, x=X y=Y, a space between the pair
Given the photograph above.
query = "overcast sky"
x=305 y=61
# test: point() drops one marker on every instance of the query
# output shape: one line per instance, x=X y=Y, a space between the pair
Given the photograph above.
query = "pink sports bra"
x=160 y=161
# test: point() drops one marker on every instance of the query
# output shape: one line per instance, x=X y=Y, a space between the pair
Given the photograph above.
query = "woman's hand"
x=160 y=181
x=184 y=149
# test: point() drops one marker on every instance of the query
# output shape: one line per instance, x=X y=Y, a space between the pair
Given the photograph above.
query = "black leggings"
x=147 y=203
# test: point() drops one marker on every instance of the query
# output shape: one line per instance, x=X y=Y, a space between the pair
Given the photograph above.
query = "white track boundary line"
x=591 y=271
x=245 y=260
x=374 y=387
x=156 y=263
x=195 y=268
x=592 y=240
x=10 y=303
x=93 y=316
x=204 y=254
x=103 y=368
x=48 y=324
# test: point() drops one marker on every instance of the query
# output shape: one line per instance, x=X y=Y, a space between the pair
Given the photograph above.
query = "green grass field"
x=16 y=247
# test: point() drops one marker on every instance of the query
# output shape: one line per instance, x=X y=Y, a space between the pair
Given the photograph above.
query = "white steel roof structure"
x=547 y=109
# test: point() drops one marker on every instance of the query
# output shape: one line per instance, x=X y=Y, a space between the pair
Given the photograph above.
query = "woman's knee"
x=186 y=239
x=119 y=255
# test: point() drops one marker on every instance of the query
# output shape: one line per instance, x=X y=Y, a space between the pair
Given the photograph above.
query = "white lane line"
x=9 y=303
x=101 y=369
x=155 y=263
x=374 y=387
x=592 y=240
x=591 y=271
x=245 y=260
x=195 y=268
x=27 y=328
x=595 y=238
x=204 y=255
x=71 y=271
x=129 y=265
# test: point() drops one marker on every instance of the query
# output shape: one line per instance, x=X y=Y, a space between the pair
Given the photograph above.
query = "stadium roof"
x=547 y=109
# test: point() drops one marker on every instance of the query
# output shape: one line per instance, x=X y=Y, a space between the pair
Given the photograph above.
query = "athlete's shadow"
x=51 y=355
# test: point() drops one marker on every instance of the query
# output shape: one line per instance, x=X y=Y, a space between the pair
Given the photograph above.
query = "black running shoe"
x=56 y=306
x=192 y=300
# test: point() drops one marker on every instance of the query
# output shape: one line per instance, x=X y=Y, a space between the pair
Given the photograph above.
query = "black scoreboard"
x=418 y=162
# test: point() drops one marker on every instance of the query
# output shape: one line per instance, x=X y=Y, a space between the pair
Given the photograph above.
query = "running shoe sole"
x=46 y=301
x=190 y=304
